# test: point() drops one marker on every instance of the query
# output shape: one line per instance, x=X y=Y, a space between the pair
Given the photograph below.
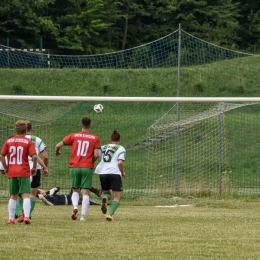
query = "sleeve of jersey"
x=122 y=154
x=67 y=140
x=42 y=146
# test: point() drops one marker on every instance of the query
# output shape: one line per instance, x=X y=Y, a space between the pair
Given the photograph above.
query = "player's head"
x=115 y=136
x=20 y=127
x=29 y=126
x=86 y=122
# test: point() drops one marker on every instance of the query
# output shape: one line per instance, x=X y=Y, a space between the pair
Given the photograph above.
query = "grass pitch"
x=222 y=230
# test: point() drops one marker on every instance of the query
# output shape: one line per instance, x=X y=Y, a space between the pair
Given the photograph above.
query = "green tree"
x=81 y=24
x=25 y=19
x=249 y=25
x=214 y=20
x=144 y=21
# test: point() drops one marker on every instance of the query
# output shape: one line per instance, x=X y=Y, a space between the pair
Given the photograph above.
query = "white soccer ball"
x=98 y=108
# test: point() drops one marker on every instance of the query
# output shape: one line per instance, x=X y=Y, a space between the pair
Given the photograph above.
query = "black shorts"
x=36 y=180
x=111 y=182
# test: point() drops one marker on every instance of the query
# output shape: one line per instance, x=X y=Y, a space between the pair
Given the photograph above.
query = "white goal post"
x=131 y=99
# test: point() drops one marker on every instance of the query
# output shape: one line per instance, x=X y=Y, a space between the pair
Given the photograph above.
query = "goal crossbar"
x=131 y=99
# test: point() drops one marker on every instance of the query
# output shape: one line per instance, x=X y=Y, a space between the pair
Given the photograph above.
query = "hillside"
x=230 y=78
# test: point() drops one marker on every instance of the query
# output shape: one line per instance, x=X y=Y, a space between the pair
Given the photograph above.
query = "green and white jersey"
x=39 y=147
x=110 y=154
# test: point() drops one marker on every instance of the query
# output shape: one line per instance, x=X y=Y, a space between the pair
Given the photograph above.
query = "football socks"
x=113 y=207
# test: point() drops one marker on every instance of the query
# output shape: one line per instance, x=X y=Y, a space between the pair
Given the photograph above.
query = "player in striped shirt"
x=110 y=170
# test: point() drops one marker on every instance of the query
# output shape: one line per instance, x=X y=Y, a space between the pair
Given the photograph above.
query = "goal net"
x=174 y=149
x=204 y=150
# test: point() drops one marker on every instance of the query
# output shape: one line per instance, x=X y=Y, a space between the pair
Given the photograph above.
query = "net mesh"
x=187 y=150
x=195 y=155
x=162 y=53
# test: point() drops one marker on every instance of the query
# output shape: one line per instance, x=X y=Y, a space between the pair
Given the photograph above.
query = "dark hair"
x=115 y=136
x=29 y=126
x=86 y=122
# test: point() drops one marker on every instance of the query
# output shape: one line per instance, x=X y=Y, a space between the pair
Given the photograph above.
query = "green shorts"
x=19 y=185
x=81 y=178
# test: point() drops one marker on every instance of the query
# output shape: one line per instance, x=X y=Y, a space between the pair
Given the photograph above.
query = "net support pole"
x=8 y=57
x=220 y=148
x=177 y=157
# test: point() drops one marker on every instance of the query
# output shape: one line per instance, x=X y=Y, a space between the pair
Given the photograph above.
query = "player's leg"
x=96 y=191
x=19 y=209
x=35 y=184
x=25 y=190
x=116 y=186
x=75 y=179
x=106 y=196
x=86 y=184
x=13 y=186
x=19 y=206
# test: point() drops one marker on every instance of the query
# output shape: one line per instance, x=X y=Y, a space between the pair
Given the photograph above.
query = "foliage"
x=80 y=23
x=100 y=26
x=26 y=19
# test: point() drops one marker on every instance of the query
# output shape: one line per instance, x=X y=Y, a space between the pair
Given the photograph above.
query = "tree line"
x=101 y=26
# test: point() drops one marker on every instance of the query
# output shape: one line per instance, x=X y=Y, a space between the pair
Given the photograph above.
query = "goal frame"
x=131 y=99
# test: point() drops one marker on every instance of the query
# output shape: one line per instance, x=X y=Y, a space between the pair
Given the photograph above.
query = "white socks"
x=75 y=199
x=26 y=207
x=85 y=204
x=11 y=208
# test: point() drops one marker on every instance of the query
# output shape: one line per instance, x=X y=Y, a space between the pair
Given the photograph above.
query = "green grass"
x=221 y=230
x=231 y=77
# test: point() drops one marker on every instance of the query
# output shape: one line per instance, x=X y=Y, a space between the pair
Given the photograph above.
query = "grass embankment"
x=230 y=78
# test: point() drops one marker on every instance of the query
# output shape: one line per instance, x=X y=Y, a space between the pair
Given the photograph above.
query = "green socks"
x=33 y=201
x=19 y=206
x=113 y=207
x=107 y=196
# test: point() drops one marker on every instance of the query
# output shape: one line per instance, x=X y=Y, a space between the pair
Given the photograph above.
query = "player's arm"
x=121 y=167
x=3 y=169
x=57 y=148
x=44 y=167
x=97 y=154
x=33 y=170
x=45 y=157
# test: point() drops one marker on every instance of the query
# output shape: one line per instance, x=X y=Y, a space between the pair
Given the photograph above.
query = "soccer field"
x=222 y=230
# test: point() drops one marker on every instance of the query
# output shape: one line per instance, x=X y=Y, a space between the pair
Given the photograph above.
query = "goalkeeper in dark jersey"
x=51 y=198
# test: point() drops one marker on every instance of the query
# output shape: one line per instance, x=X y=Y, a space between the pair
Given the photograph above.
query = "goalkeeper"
x=51 y=198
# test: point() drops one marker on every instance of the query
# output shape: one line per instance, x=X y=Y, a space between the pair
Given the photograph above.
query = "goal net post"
x=176 y=148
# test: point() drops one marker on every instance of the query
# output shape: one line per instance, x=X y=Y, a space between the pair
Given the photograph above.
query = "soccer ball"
x=98 y=108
